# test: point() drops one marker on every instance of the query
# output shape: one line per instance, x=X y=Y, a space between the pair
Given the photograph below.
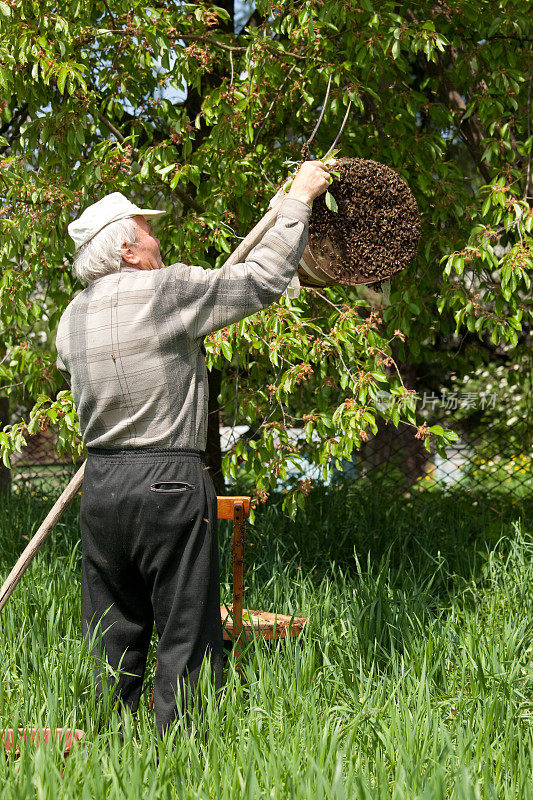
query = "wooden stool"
x=240 y=624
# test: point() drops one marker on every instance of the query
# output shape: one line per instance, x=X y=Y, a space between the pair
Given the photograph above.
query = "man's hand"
x=312 y=180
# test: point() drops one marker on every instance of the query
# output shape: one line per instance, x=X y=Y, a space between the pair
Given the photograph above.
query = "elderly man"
x=131 y=345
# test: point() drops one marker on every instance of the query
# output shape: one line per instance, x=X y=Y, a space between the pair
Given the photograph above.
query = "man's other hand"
x=311 y=180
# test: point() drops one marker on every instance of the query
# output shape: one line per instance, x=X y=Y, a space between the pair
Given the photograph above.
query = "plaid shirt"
x=131 y=343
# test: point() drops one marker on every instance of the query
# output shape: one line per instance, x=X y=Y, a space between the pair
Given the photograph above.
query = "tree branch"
x=109 y=125
x=207 y=40
x=470 y=129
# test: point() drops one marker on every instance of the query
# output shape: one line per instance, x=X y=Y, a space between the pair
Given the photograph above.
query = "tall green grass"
x=413 y=677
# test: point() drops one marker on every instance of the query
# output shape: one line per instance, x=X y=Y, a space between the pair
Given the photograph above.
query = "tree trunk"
x=397 y=446
x=213 y=452
x=5 y=474
x=193 y=106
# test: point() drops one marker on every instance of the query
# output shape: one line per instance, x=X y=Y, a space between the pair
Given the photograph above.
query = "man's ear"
x=130 y=256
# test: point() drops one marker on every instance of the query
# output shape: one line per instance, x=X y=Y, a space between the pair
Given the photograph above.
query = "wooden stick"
x=57 y=510
x=53 y=516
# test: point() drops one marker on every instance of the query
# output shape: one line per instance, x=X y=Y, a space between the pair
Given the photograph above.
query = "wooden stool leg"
x=239 y=522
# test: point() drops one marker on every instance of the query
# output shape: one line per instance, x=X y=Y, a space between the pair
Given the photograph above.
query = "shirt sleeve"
x=211 y=299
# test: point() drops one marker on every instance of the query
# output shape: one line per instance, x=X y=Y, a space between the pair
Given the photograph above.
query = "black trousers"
x=150 y=553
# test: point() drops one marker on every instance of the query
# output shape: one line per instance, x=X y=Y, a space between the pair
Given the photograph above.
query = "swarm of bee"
x=374 y=230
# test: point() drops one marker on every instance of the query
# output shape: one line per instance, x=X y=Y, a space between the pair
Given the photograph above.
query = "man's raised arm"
x=211 y=299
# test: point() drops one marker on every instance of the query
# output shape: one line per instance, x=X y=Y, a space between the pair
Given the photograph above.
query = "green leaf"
x=331 y=203
x=226 y=350
x=438 y=430
x=62 y=77
x=486 y=205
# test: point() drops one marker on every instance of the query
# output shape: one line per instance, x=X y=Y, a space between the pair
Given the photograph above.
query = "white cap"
x=109 y=209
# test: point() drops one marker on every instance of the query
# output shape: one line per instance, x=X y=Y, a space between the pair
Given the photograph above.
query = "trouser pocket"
x=172 y=487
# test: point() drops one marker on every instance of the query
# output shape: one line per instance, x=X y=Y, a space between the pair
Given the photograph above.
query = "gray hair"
x=102 y=254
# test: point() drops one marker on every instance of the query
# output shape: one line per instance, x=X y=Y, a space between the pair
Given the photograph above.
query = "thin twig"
x=113 y=64
x=323 y=296
x=283 y=415
x=12 y=385
x=108 y=10
x=528 y=116
x=333 y=146
x=268 y=346
x=321 y=117
x=231 y=64
x=271 y=106
x=355 y=382
x=236 y=401
x=266 y=176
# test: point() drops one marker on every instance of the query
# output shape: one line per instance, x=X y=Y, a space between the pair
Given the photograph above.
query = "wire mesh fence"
x=475 y=462
x=39 y=468
x=493 y=454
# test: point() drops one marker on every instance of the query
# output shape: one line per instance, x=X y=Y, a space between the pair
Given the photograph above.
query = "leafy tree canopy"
x=166 y=103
